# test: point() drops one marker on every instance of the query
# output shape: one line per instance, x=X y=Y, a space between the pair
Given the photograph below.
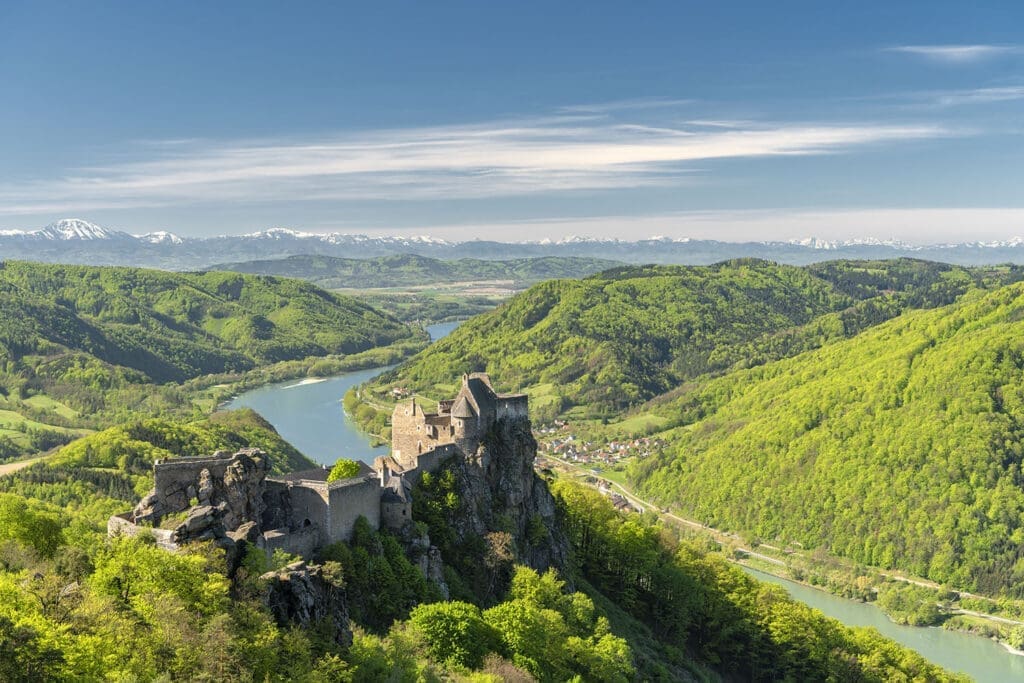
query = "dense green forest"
x=82 y=347
x=899 y=448
x=75 y=605
x=409 y=270
x=620 y=337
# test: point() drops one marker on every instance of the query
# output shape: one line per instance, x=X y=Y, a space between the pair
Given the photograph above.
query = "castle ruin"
x=229 y=497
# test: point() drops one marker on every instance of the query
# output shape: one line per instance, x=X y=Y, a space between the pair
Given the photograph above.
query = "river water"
x=980 y=658
x=309 y=414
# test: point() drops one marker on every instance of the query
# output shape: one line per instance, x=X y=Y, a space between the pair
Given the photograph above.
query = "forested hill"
x=899 y=448
x=410 y=269
x=82 y=347
x=173 y=326
x=627 y=334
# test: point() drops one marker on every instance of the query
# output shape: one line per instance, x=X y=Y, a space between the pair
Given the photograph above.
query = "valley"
x=779 y=315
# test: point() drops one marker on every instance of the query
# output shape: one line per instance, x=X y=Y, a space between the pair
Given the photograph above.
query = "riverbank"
x=778 y=564
x=213 y=392
x=310 y=415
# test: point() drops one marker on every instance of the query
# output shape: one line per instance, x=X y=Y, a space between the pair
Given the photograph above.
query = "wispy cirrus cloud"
x=636 y=103
x=978 y=96
x=500 y=158
x=937 y=99
x=957 y=54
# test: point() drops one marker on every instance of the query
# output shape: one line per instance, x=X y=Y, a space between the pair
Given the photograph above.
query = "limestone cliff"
x=300 y=594
x=504 y=510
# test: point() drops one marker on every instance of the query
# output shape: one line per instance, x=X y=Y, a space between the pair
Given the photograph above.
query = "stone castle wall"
x=309 y=501
x=513 y=408
x=349 y=500
x=430 y=461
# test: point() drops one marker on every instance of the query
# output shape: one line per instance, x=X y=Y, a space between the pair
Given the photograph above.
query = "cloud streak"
x=957 y=54
x=496 y=159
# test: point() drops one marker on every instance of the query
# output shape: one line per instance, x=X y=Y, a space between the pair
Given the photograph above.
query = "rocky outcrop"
x=425 y=555
x=231 y=484
x=505 y=504
x=300 y=594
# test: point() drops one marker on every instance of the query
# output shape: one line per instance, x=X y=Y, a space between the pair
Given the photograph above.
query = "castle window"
x=306 y=522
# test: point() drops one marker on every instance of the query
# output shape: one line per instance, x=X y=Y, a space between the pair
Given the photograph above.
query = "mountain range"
x=75 y=240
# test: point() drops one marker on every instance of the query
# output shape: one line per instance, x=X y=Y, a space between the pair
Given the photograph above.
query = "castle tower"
x=466 y=424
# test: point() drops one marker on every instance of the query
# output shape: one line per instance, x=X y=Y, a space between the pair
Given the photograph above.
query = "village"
x=559 y=446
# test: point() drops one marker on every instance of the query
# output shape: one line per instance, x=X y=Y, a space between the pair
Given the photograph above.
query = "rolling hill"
x=78 y=342
x=899 y=448
x=625 y=335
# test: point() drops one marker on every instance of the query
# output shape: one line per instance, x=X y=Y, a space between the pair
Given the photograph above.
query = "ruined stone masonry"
x=227 y=498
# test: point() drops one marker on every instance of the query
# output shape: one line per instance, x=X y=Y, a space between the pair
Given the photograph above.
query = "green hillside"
x=410 y=270
x=627 y=334
x=899 y=448
x=78 y=606
x=81 y=347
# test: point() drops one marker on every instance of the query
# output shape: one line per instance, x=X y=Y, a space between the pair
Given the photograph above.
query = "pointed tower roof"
x=463 y=409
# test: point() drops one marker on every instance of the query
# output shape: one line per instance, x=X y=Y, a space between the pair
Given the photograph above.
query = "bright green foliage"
x=145 y=579
x=899 y=448
x=381 y=583
x=23 y=657
x=912 y=605
x=695 y=600
x=455 y=631
x=133 y=447
x=33 y=528
x=625 y=335
x=80 y=347
x=411 y=269
x=554 y=635
x=172 y=326
x=343 y=469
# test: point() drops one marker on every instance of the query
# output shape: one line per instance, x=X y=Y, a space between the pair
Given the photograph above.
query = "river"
x=309 y=415
x=982 y=659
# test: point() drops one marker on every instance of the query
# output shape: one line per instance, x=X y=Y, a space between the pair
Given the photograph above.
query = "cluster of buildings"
x=566 y=446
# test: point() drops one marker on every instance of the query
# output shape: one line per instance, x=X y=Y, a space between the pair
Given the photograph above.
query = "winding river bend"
x=308 y=413
x=310 y=416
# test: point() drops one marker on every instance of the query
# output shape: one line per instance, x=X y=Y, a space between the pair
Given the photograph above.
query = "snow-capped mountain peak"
x=76 y=229
x=161 y=237
x=279 y=234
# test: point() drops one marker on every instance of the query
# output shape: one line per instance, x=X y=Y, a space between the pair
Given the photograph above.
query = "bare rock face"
x=203 y=523
x=206 y=489
x=243 y=490
x=233 y=488
x=507 y=505
x=300 y=594
x=150 y=509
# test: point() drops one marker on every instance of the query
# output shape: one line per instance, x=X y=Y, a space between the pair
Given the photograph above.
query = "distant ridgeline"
x=623 y=336
x=76 y=342
x=410 y=269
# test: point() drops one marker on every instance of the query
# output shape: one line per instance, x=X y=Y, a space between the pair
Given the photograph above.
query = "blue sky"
x=517 y=121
